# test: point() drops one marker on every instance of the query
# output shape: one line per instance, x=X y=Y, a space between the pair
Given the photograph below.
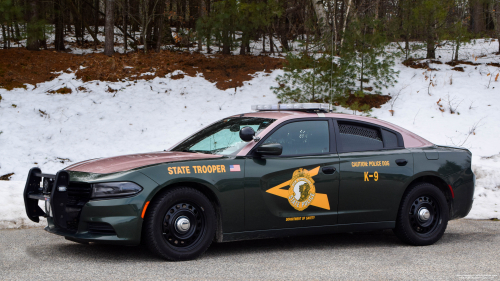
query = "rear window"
x=358 y=137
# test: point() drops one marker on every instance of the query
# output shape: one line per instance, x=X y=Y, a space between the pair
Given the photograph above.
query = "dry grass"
x=20 y=66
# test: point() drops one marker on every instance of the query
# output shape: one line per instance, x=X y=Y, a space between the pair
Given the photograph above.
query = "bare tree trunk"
x=283 y=34
x=345 y=22
x=201 y=13
x=271 y=43
x=243 y=43
x=377 y=7
x=125 y=24
x=110 y=32
x=33 y=30
x=495 y=16
x=59 y=26
x=161 y=23
x=334 y=27
x=143 y=12
x=319 y=9
x=96 y=17
x=194 y=12
x=77 y=14
x=226 y=48
x=78 y=25
x=478 y=20
x=4 y=36
x=96 y=21
x=16 y=28
x=9 y=36
x=431 y=49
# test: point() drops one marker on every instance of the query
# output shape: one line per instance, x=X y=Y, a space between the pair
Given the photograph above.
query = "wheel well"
x=441 y=184
x=209 y=194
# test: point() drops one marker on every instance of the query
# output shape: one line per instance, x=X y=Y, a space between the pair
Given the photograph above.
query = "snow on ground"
x=256 y=47
x=12 y=210
x=52 y=131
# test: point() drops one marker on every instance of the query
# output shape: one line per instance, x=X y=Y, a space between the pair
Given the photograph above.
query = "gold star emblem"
x=301 y=192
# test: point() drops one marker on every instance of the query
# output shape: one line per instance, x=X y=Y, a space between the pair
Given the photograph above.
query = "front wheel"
x=180 y=224
x=423 y=215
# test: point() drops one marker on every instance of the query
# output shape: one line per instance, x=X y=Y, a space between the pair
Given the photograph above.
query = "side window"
x=358 y=137
x=304 y=137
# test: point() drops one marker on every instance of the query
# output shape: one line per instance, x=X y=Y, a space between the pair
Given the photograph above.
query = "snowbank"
x=12 y=212
x=52 y=131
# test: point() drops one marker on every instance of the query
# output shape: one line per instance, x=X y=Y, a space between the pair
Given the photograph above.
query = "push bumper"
x=71 y=213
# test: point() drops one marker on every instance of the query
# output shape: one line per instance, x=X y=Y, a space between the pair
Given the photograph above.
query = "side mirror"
x=270 y=149
x=247 y=133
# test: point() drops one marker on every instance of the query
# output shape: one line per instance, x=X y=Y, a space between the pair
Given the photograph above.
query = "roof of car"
x=411 y=140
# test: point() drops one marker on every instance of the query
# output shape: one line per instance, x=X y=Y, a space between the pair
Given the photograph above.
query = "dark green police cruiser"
x=288 y=169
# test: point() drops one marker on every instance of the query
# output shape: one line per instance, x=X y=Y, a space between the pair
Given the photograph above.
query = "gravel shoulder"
x=470 y=249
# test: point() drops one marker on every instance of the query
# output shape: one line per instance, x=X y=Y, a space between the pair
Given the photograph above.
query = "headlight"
x=114 y=189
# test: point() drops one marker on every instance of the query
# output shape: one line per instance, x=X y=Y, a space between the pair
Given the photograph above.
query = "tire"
x=412 y=226
x=166 y=232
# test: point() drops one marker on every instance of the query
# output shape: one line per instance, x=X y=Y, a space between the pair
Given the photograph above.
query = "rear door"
x=298 y=188
x=374 y=168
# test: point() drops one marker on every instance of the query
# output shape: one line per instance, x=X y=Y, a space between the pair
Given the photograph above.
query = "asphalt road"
x=469 y=250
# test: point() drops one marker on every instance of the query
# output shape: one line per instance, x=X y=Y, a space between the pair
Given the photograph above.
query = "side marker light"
x=144 y=210
x=452 y=193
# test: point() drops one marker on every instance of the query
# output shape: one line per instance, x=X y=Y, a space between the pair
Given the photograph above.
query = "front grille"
x=78 y=195
x=79 y=191
x=101 y=228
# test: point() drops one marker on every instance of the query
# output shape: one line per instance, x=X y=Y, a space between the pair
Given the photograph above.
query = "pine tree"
x=314 y=78
x=366 y=51
x=432 y=17
x=321 y=77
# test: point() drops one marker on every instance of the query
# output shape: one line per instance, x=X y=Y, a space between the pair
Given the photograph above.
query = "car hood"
x=132 y=161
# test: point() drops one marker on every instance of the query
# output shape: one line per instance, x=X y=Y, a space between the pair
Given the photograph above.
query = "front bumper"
x=72 y=213
x=120 y=217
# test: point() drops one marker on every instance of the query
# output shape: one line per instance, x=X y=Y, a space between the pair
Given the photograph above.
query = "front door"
x=298 y=188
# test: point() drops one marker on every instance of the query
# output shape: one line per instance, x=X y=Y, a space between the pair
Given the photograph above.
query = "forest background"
x=343 y=43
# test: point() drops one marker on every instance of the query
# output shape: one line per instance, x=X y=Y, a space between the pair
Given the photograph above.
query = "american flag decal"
x=234 y=168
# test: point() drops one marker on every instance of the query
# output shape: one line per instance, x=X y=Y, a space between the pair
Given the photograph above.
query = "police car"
x=282 y=170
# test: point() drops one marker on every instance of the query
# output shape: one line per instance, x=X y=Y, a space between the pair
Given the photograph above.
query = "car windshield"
x=223 y=137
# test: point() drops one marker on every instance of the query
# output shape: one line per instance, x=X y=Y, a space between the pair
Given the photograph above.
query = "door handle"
x=401 y=162
x=328 y=170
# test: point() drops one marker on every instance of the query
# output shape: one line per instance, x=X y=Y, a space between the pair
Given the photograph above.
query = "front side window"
x=223 y=137
x=304 y=137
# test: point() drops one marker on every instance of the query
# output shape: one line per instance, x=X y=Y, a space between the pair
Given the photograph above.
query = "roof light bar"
x=323 y=107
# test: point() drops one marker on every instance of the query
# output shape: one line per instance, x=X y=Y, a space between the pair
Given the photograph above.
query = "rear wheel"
x=180 y=224
x=423 y=215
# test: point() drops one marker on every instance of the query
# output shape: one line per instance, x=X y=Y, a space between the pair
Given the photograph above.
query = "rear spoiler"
x=33 y=192
x=455 y=147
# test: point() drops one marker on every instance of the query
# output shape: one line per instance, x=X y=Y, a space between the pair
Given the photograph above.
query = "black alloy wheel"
x=179 y=224
x=423 y=215
x=183 y=224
